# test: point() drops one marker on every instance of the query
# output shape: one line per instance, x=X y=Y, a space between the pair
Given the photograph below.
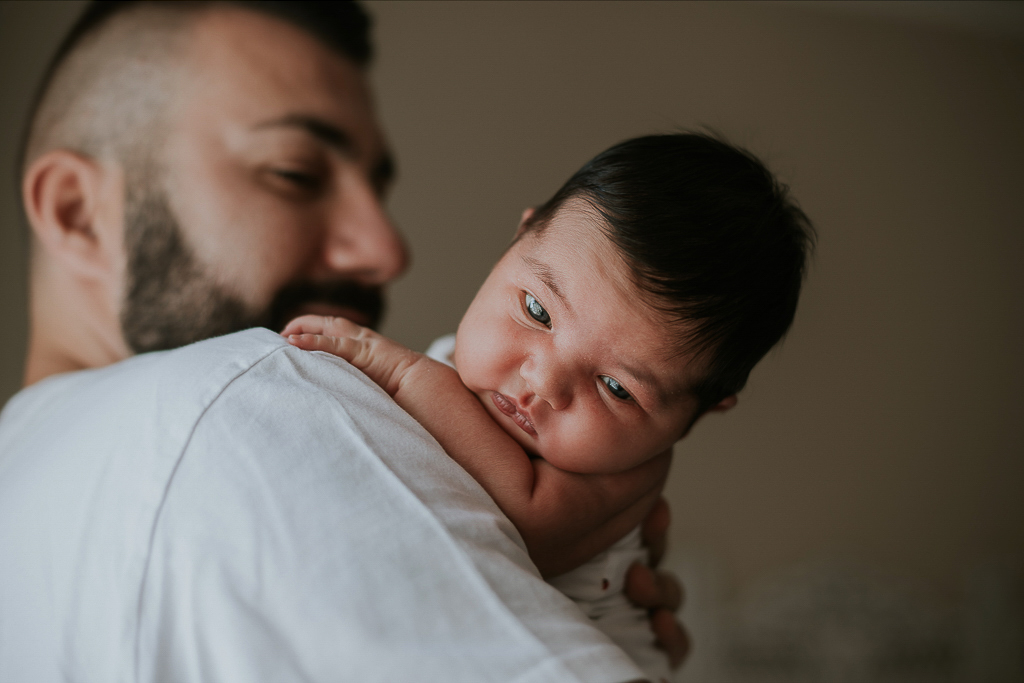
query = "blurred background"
x=860 y=515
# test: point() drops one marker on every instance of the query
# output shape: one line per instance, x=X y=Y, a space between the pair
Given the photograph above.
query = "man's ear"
x=64 y=196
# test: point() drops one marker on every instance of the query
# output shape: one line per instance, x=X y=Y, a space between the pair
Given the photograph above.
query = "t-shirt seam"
x=163 y=499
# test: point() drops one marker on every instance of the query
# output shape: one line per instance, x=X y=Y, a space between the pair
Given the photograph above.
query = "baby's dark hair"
x=710 y=234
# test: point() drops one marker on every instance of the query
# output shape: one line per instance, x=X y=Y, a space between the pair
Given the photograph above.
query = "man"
x=190 y=170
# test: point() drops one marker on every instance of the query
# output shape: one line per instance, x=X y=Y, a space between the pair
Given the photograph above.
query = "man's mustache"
x=292 y=299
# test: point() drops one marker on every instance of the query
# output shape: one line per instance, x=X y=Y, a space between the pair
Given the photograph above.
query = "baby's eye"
x=615 y=388
x=537 y=311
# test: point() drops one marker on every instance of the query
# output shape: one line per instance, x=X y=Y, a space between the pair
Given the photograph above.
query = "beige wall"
x=889 y=429
x=28 y=33
x=890 y=425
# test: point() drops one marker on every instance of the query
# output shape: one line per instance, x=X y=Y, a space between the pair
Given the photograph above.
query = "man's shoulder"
x=263 y=363
x=244 y=497
x=212 y=362
x=90 y=457
x=138 y=417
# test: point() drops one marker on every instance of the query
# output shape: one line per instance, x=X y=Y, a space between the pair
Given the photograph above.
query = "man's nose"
x=547 y=380
x=362 y=244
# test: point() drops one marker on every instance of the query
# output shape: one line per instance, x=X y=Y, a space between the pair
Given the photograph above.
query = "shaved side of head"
x=112 y=97
x=110 y=82
x=109 y=96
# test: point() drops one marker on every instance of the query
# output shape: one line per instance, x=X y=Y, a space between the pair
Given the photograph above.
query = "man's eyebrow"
x=547 y=276
x=318 y=128
x=382 y=173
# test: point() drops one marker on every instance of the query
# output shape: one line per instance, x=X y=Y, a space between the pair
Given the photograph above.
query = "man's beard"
x=171 y=300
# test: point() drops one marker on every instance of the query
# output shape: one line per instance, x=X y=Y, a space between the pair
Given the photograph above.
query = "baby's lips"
x=508 y=407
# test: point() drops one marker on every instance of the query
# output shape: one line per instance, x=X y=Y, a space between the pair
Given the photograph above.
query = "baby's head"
x=638 y=298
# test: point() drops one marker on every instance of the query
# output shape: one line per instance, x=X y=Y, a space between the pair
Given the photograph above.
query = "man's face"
x=265 y=200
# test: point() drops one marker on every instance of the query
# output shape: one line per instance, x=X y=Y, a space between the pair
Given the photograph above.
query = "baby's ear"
x=725 y=404
x=524 y=219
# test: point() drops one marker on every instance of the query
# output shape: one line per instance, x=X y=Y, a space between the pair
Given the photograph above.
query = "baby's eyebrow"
x=547 y=276
x=650 y=382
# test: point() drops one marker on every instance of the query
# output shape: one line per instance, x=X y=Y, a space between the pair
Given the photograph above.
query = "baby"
x=636 y=300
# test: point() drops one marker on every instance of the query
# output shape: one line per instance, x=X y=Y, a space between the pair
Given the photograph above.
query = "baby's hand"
x=381 y=359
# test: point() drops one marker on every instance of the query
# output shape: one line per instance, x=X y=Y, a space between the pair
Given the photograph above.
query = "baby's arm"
x=565 y=518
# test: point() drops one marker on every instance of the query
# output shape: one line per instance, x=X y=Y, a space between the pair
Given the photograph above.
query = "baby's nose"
x=547 y=383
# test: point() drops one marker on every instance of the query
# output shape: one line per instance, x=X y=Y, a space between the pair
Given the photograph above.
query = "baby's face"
x=565 y=355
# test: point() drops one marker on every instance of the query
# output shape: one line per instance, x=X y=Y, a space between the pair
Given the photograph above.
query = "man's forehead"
x=248 y=40
x=267 y=61
x=246 y=68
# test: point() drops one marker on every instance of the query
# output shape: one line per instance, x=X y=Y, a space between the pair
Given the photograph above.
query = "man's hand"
x=658 y=591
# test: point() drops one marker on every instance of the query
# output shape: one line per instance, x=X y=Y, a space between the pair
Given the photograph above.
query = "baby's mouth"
x=508 y=407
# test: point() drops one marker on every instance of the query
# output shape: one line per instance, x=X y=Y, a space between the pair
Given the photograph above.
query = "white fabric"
x=598 y=587
x=240 y=510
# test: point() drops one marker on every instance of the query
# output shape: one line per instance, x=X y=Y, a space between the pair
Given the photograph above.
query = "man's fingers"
x=654 y=531
x=653 y=589
x=670 y=636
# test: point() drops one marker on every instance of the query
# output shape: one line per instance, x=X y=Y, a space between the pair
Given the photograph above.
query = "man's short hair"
x=343 y=26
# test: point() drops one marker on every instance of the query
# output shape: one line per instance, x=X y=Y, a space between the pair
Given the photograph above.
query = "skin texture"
x=247 y=160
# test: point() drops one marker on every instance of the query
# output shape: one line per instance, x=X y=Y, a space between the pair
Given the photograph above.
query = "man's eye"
x=537 y=311
x=301 y=179
x=616 y=388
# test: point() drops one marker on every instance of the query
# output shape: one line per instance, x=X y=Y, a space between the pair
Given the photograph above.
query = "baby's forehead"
x=582 y=270
x=579 y=232
x=586 y=248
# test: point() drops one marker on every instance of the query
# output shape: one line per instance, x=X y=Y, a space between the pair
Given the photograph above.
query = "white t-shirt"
x=240 y=510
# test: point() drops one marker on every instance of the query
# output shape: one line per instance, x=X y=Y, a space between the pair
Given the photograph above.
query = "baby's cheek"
x=612 y=451
x=579 y=450
x=465 y=366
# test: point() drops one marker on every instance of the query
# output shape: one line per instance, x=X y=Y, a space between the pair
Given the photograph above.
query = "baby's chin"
x=524 y=441
x=517 y=434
